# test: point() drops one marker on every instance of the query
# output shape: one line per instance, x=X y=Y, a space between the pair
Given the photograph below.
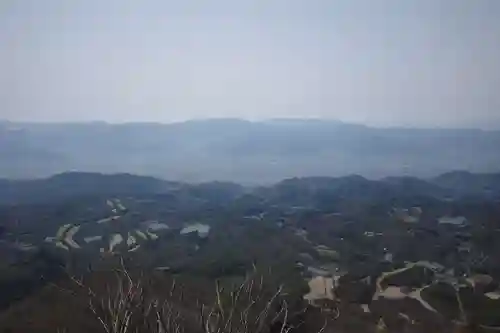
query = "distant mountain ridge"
x=243 y=151
x=77 y=184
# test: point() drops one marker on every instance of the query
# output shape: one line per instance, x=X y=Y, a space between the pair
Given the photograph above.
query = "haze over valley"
x=242 y=151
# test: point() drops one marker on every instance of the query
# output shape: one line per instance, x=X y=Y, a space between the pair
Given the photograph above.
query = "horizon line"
x=243 y=120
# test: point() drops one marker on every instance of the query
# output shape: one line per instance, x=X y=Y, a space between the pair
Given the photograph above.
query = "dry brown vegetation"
x=136 y=304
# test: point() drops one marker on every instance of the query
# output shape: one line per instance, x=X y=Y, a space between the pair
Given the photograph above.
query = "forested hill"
x=390 y=247
x=78 y=184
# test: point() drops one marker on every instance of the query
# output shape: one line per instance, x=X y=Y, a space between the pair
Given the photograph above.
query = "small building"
x=318 y=271
x=388 y=257
x=456 y=221
x=465 y=247
x=405 y=215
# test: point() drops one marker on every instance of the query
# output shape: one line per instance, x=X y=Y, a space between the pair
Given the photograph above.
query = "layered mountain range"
x=243 y=151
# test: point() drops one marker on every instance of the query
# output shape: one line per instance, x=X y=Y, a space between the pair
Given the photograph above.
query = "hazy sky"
x=385 y=62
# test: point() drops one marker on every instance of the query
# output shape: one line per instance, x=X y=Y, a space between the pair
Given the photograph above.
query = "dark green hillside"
x=393 y=250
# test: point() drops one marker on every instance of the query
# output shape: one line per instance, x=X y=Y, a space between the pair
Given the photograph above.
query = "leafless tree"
x=249 y=307
x=114 y=308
